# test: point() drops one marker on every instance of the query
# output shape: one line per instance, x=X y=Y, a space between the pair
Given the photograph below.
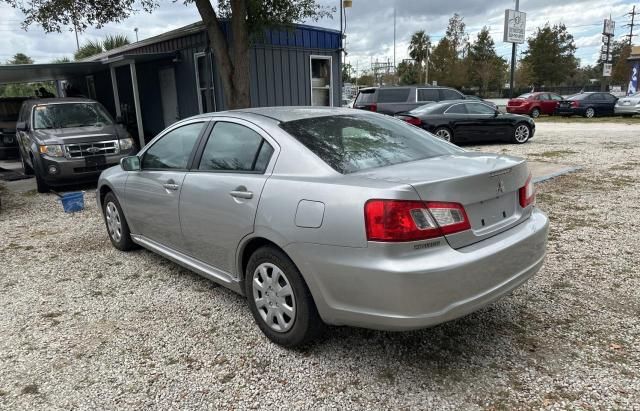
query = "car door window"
x=479 y=108
x=610 y=98
x=428 y=94
x=172 y=150
x=234 y=147
x=457 y=109
x=393 y=95
x=446 y=94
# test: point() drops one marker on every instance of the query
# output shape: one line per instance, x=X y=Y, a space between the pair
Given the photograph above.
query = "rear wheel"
x=279 y=299
x=117 y=226
x=590 y=112
x=521 y=133
x=444 y=133
x=535 y=113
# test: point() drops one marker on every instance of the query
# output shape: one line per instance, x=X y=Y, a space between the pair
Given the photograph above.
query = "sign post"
x=605 y=55
x=514 y=33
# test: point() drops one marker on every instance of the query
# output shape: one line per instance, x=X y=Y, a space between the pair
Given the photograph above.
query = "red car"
x=534 y=104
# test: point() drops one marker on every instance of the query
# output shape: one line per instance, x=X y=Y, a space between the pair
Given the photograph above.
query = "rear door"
x=554 y=100
x=609 y=103
x=152 y=194
x=486 y=124
x=394 y=100
x=220 y=194
x=427 y=95
x=460 y=121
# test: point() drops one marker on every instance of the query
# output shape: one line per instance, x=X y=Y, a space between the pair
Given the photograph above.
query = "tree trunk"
x=234 y=70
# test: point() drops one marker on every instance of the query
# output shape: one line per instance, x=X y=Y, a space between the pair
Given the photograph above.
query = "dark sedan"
x=589 y=105
x=470 y=121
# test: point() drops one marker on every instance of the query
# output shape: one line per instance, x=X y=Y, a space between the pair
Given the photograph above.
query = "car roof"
x=290 y=113
x=54 y=100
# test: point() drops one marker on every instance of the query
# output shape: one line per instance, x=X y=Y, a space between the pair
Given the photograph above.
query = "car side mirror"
x=21 y=126
x=131 y=163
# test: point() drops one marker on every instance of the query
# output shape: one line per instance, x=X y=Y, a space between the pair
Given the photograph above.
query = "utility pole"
x=513 y=59
x=394 y=36
x=632 y=24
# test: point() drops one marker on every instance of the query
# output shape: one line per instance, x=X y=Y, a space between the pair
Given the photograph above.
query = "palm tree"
x=88 y=49
x=113 y=42
x=419 y=48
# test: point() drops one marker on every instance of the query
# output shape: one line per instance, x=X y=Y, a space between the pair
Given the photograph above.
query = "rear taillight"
x=575 y=103
x=411 y=120
x=401 y=220
x=373 y=107
x=527 y=193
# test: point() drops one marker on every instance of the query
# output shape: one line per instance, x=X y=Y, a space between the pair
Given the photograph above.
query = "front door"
x=220 y=194
x=152 y=194
x=168 y=95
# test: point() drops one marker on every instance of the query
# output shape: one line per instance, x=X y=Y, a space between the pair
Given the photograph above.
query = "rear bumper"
x=627 y=109
x=403 y=288
x=518 y=109
x=570 y=111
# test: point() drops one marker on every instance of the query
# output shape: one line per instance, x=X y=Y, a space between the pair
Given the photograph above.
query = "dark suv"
x=393 y=100
x=9 y=109
x=69 y=140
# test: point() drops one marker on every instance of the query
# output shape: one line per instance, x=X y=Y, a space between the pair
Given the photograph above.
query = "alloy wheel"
x=535 y=113
x=114 y=223
x=590 y=113
x=444 y=134
x=274 y=298
x=522 y=133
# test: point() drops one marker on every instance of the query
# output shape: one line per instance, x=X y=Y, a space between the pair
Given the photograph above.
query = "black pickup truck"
x=393 y=100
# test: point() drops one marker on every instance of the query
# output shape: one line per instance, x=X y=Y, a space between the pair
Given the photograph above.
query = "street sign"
x=606 y=70
x=609 y=27
x=606 y=57
x=605 y=39
x=514 y=26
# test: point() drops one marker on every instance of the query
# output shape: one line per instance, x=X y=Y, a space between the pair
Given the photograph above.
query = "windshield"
x=350 y=143
x=66 y=115
x=431 y=108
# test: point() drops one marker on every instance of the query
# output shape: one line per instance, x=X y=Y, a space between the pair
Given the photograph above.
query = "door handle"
x=171 y=186
x=242 y=194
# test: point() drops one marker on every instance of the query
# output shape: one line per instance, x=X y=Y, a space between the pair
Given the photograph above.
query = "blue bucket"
x=72 y=202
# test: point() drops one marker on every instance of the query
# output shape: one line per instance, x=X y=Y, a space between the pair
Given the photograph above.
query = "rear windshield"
x=366 y=97
x=525 y=96
x=431 y=108
x=350 y=143
x=578 y=97
x=393 y=95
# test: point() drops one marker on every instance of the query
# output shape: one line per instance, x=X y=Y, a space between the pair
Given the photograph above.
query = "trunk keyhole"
x=483 y=222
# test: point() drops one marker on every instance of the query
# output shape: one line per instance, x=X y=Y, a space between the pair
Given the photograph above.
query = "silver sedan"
x=628 y=106
x=330 y=216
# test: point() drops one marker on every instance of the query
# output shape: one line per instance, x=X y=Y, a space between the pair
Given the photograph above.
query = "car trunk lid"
x=486 y=185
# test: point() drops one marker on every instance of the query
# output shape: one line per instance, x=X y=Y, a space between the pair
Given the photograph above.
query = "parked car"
x=68 y=140
x=9 y=108
x=476 y=98
x=392 y=100
x=628 y=106
x=590 y=104
x=467 y=121
x=534 y=104
x=329 y=215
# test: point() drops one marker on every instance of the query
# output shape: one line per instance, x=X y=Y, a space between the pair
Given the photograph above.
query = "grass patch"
x=625 y=166
x=553 y=153
x=575 y=119
x=30 y=193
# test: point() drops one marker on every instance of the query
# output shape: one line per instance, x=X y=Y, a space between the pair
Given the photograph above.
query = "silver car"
x=628 y=106
x=330 y=216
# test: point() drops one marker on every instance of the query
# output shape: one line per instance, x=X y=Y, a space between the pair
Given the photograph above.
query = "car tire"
x=41 y=185
x=590 y=112
x=289 y=319
x=116 y=223
x=521 y=133
x=444 y=133
x=535 y=113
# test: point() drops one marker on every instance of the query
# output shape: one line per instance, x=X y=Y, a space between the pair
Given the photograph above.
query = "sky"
x=369 y=29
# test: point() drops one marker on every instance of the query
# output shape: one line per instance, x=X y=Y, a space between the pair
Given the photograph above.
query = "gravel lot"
x=85 y=326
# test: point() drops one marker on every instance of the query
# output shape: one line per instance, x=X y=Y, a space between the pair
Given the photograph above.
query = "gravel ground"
x=85 y=326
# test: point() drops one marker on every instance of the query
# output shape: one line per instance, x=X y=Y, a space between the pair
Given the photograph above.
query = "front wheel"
x=590 y=112
x=279 y=299
x=117 y=226
x=41 y=185
x=444 y=133
x=535 y=113
x=27 y=170
x=521 y=133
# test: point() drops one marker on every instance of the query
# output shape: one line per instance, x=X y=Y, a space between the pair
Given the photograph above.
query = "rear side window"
x=350 y=143
x=446 y=94
x=234 y=147
x=457 y=109
x=428 y=94
x=393 y=95
x=610 y=97
x=366 y=97
x=172 y=150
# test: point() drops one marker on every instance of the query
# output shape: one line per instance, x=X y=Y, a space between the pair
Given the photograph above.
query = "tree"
x=419 y=48
x=88 y=49
x=551 y=55
x=113 y=42
x=442 y=60
x=247 y=20
x=486 y=68
x=347 y=69
x=20 y=58
x=64 y=59
x=621 y=67
x=409 y=73
x=456 y=33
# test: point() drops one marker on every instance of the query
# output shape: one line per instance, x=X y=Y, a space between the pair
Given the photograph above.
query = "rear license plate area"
x=487 y=213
